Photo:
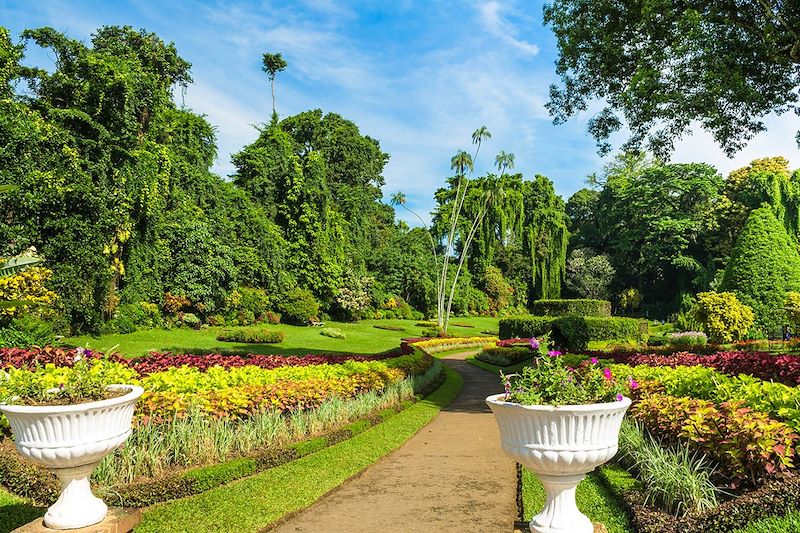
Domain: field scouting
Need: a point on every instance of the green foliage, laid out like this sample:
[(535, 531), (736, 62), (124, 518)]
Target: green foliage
[(504, 356), (673, 478), (748, 445), (575, 332), (27, 330), (334, 333), (639, 61), (550, 382), (298, 306), (763, 267), (723, 317), (253, 336), (589, 275), (598, 308)]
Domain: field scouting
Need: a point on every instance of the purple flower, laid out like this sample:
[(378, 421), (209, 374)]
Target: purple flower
[(633, 383), (619, 397), (553, 353), (607, 373), (594, 360), (534, 343)]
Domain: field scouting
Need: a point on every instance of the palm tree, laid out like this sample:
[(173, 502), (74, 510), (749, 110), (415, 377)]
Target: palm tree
[(478, 136), (273, 63), (503, 161), (461, 162)]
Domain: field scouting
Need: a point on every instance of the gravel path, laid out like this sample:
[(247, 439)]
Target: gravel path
[(451, 476)]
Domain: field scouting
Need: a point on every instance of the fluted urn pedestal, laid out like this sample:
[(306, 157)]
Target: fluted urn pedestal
[(70, 440), (560, 444)]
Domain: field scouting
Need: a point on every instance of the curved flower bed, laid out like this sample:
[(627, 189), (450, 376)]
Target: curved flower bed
[(220, 385), (781, 368)]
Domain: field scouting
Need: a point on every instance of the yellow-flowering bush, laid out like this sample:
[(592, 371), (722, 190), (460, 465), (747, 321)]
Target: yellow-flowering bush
[(28, 285), (723, 317)]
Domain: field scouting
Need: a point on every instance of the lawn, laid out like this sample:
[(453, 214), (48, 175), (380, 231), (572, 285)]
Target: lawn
[(361, 338)]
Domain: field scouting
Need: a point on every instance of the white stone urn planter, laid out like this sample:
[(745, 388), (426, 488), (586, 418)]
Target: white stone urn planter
[(70, 440), (560, 444)]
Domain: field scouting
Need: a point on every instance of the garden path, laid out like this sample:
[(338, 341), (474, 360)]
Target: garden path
[(451, 476)]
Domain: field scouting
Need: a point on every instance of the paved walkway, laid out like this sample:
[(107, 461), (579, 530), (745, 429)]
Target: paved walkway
[(451, 476)]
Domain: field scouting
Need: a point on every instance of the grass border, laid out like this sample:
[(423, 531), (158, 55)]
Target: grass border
[(266, 499)]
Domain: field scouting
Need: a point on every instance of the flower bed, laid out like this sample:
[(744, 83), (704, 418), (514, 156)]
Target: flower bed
[(449, 343), (781, 368)]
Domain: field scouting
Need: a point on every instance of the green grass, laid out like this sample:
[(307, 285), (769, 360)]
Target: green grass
[(15, 511), (362, 338), (778, 524), (594, 498), (255, 502)]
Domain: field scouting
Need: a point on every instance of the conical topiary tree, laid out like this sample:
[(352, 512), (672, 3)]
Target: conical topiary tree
[(763, 267)]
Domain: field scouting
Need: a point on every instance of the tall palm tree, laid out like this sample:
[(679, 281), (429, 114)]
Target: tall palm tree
[(478, 136), (461, 162), (503, 161), (272, 64)]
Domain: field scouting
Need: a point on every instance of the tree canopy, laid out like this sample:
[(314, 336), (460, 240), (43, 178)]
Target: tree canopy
[(660, 66)]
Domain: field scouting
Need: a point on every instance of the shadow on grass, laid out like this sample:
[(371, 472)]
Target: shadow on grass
[(245, 349), (15, 515)]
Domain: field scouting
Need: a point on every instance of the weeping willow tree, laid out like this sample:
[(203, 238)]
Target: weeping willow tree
[(545, 237), (525, 217)]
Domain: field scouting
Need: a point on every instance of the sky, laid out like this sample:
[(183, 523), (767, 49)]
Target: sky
[(418, 75)]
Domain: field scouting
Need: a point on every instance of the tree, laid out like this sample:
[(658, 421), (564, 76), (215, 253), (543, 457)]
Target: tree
[(584, 225), (272, 64), (763, 268), (654, 223), (660, 67), (589, 275), (503, 161)]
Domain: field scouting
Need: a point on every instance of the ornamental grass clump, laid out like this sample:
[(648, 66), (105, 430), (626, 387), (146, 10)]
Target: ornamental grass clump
[(673, 477), (548, 381)]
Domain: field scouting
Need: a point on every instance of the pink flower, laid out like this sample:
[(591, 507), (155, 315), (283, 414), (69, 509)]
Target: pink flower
[(619, 397), (553, 353), (607, 373), (594, 360), (534, 343), (633, 383)]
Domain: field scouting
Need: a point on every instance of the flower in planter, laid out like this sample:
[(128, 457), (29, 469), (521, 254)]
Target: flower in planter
[(549, 382)]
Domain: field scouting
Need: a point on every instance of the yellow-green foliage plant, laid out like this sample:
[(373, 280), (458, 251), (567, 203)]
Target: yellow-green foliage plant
[(723, 317)]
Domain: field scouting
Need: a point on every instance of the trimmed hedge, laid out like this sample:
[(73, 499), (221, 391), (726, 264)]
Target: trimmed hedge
[(579, 307), (574, 332)]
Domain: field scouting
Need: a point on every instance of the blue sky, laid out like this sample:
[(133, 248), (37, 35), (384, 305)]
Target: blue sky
[(419, 76)]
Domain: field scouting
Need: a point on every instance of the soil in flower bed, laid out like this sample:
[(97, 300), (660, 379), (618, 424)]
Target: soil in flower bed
[(107, 395)]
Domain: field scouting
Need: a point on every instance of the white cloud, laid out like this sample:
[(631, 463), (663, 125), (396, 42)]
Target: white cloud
[(779, 139), (492, 18)]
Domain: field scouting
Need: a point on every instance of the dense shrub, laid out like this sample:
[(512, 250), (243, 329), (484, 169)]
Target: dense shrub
[(26, 330), (247, 305), (251, 336), (580, 307), (190, 320), (575, 332), (174, 303), (763, 267), (722, 316), (298, 306), (30, 286)]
